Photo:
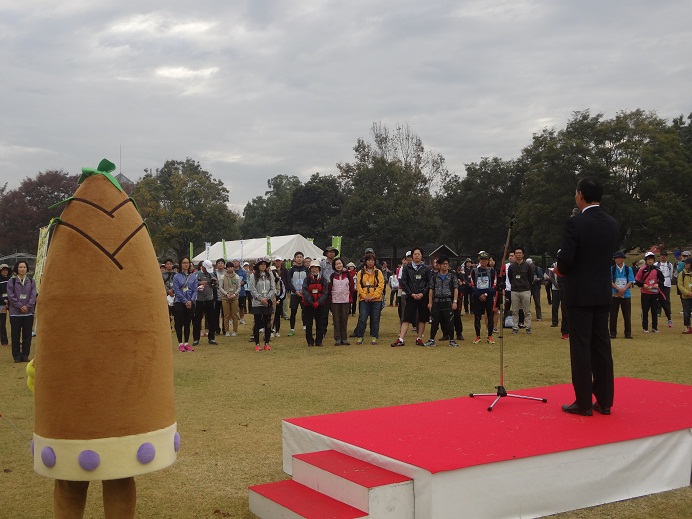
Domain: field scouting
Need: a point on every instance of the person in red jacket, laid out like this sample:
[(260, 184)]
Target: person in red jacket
[(315, 298), (650, 279)]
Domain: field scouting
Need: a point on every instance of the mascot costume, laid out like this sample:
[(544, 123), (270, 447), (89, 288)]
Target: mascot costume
[(103, 366)]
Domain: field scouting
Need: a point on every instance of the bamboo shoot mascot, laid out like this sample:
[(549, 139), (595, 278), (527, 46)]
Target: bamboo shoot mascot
[(103, 367)]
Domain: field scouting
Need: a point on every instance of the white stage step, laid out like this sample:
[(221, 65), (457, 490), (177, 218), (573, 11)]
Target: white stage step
[(329, 484)]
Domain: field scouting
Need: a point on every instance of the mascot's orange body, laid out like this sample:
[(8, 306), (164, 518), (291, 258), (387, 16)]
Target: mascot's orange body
[(104, 374)]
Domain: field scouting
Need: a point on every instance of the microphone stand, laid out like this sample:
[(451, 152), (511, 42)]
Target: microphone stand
[(501, 391)]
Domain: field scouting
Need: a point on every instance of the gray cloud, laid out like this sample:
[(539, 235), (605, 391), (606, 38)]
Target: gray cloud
[(253, 89)]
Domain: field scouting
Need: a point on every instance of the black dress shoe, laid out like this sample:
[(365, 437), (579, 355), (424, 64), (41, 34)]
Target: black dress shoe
[(575, 409), (603, 410)]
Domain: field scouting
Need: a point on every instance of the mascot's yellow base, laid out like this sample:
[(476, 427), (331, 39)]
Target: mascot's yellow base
[(118, 457)]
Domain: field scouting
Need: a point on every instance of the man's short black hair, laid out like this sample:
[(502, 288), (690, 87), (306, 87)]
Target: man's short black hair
[(591, 189), (296, 254), (519, 247), (167, 260), (442, 259)]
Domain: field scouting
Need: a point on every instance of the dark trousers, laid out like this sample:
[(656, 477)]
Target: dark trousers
[(443, 317), (650, 303), (295, 303), (686, 310), (3, 328), (354, 303), (624, 303), (278, 313), (262, 321), (340, 313), (182, 317), (393, 297), (456, 322), (314, 315), (483, 308), (665, 305), (549, 292), (218, 311), (536, 294), (21, 326), (591, 355), (564, 329), (206, 309)]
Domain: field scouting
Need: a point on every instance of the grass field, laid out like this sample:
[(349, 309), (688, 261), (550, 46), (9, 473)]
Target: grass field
[(230, 401)]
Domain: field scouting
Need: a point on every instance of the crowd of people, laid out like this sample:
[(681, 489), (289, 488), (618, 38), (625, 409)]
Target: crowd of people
[(432, 293)]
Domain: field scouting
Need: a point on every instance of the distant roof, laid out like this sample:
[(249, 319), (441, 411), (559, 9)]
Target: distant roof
[(122, 179)]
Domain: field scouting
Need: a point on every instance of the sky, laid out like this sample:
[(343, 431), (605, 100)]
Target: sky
[(253, 89)]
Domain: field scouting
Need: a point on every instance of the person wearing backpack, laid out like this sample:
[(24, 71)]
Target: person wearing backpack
[(685, 287), (443, 299), (667, 269), (369, 284), (622, 279), (650, 279)]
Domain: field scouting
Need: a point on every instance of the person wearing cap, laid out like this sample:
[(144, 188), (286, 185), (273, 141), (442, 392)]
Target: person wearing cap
[(685, 288), (315, 291), (262, 290), (622, 279), (588, 242), (4, 278), (650, 279), (296, 276), (206, 283), (369, 283), (667, 269), (341, 288)]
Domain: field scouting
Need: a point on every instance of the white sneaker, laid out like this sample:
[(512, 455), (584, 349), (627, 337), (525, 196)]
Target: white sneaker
[(303, 327), (242, 321), (228, 334), (277, 334), (234, 334)]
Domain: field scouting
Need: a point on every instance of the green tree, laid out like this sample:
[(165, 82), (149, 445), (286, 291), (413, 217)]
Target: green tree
[(271, 214), (477, 209), (316, 207), (23, 211), (388, 205), (182, 203)]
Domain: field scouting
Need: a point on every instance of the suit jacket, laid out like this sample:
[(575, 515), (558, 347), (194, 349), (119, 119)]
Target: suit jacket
[(588, 243)]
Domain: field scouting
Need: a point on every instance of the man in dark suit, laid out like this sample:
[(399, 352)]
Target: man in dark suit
[(588, 243)]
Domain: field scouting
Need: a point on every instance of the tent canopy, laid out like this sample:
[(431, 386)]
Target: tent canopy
[(246, 250)]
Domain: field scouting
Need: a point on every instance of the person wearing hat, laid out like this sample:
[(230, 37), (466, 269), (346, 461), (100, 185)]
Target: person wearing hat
[(622, 279), (650, 279), (326, 264), (206, 284), (667, 269), (262, 287), (315, 299), (685, 288), (4, 278)]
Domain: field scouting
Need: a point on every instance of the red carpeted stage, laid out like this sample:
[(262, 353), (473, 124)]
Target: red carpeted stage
[(523, 459)]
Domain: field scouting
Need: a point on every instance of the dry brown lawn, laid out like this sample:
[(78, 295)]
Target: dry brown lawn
[(230, 401)]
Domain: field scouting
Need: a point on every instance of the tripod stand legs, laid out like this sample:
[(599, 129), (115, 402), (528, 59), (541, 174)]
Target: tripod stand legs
[(502, 392)]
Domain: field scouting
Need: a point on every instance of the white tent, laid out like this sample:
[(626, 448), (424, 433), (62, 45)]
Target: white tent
[(283, 246)]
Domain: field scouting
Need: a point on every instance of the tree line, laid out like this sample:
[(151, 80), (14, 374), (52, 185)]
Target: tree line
[(396, 193)]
